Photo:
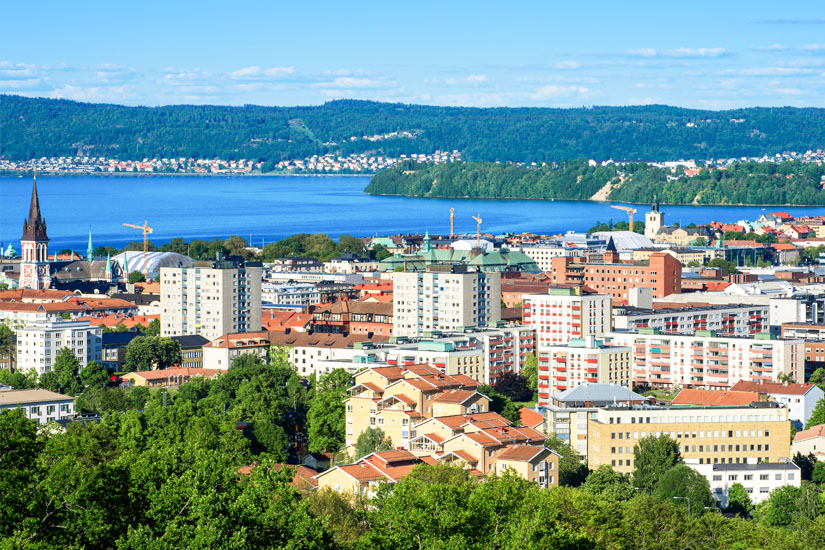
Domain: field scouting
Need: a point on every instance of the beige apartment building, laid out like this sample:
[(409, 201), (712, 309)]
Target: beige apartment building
[(219, 298), (444, 298), (758, 432)]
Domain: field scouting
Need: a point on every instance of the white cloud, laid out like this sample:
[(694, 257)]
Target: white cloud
[(349, 82), (93, 93), (20, 84), (257, 73), (567, 65), (552, 91), (773, 71), (679, 52), (771, 48), (813, 48), (477, 78)]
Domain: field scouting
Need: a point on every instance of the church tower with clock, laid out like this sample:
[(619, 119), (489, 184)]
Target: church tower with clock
[(34, 267)]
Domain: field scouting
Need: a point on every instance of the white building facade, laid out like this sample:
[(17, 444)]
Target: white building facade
[(38, 343)]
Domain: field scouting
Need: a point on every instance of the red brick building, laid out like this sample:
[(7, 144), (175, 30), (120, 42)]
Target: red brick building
[(662, 273), (353, 317)]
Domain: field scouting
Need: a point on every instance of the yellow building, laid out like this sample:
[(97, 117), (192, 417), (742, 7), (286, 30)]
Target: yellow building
[(394, 398), (713, 435), (168, 377), (534, 463), (363, 477), (682, 255)]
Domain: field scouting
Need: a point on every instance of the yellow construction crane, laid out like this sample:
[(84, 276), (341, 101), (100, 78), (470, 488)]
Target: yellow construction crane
[(630, 212), (452, 222), (146, 230), (478, 229)]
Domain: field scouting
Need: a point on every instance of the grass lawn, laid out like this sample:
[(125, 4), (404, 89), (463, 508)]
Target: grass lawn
[(528, 404)]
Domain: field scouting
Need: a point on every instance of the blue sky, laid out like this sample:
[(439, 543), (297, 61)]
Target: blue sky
[(715, 55)]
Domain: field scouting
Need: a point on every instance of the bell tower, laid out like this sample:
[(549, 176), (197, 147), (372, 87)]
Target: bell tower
[(34, 265), (653, 220)]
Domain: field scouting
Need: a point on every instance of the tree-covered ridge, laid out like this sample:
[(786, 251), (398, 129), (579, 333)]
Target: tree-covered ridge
[(789, 182), (36, 127)]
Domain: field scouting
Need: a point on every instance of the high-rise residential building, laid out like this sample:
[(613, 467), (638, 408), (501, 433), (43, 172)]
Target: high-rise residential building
[(219, 298), (706, 360), (38, 343), (34, 266), (565, 313), (444, 298), (581, 361)]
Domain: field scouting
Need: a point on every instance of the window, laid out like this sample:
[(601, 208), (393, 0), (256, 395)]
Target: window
[(717, 477), (763, 477)]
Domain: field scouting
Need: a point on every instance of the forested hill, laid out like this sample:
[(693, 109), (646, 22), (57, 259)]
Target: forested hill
[(791, 183), (32, 128)]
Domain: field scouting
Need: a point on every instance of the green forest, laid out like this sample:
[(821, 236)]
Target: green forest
[(162, 471), (787, 183), (37, 127)]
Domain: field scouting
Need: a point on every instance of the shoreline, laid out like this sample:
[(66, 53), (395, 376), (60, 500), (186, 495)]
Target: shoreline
[(724, 205), (185, 174)]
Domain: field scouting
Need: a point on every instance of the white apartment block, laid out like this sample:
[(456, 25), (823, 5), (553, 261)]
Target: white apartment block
[(565, 313), (38, 343), (581, 361), (444, 298), (758, 479), (295, 294), (38, 404), (725, 320), (544, 254), (707, 361), (211, 301)]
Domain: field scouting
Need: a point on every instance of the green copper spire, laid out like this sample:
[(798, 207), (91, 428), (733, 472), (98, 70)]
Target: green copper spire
[(90, 251), (125, 265), (108, 271)]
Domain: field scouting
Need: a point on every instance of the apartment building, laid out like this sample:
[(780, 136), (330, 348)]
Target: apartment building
[(38, 343), (290, 294), (212, 300), (38, 404), (581, 361), (564, 313), (707, 361), (444, 298), (395, 399), (714, 435), (759, 480), (220, 352), (662, 273), (725, 320), (354, 317), (543, 254)]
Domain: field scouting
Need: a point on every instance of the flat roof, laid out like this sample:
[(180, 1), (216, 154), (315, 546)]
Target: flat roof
[(19, 397), (760, 466)]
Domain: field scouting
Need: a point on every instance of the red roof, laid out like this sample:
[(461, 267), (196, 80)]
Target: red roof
[(714, 398), (530, 418), (816, 431), (773, 387), (784, 246)]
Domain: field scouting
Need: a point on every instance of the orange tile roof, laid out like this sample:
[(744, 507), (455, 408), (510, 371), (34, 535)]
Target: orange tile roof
[(816, 431), (454, 396), (119, 319), (521, 453), (29, 294), (772, 387), (714, 398), (530, 418), (361, 471)]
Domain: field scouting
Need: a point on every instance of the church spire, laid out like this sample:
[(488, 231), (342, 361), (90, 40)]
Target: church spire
[(34, 228), (90, 251)]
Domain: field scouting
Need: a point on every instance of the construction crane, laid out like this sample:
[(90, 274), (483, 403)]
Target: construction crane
[(478, 229), (146, 230), (452, 222), (630, 212)]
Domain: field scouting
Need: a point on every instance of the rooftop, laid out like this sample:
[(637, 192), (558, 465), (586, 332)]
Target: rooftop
[(19, 397)]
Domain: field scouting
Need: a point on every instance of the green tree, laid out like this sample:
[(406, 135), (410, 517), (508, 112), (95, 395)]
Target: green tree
[(609, 484), (19, 380), (730, 267), (686, 486), (326, 416), (501, 404), (379, 252), (7, 344), (818, 378), (372, 440), (151, 353), (513, 386), (739, 502), (781, 508), (153, 328), (66, 368), (817, 415), (19, 472), (530, 371), (572, 466), (136, 277), (806, 465), (93, 376), (652, 458)]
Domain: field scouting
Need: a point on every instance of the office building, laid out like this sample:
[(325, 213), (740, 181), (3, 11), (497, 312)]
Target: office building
[(38, 404)]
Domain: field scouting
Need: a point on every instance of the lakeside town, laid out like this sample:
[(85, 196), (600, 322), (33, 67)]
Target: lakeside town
[(471, 350)]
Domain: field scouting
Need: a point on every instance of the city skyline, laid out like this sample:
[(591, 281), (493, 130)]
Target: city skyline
[(703, 55)]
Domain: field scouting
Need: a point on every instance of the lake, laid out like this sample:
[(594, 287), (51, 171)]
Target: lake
[(272, 207)]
